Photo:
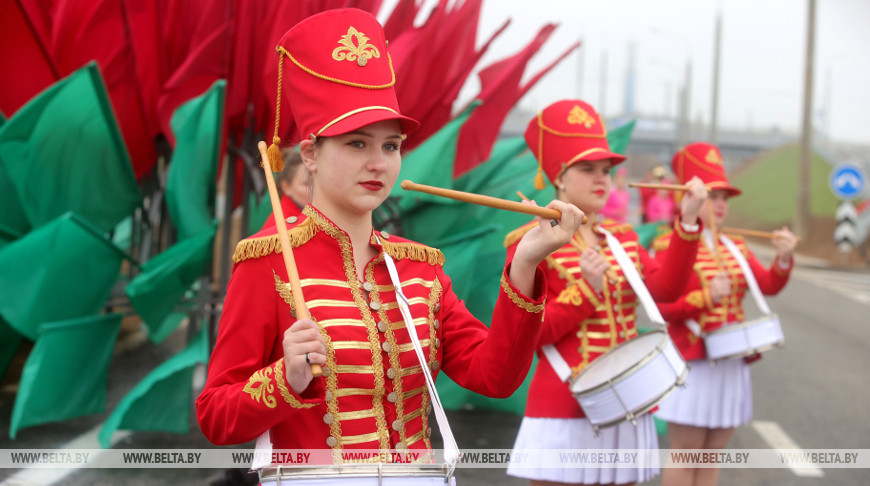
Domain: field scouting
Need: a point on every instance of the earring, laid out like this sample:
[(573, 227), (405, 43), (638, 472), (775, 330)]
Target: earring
[(561, 187)]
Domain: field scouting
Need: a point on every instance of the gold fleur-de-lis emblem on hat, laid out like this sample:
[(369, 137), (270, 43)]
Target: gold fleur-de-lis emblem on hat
[(579, 116), (713, 157), (360, 51)]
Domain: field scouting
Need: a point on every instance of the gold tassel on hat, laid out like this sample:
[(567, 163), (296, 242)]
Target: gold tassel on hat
[(274, 151), (540, 184), (539, 180)]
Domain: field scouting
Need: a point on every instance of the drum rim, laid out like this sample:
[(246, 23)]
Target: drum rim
[(750, 352), (738, 325), (355, 470), (621, 376), (681, 380)]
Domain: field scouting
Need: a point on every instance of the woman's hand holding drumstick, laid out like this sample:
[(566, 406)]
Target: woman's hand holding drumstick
[(594, 267), (540, 242), (693, 200), (304, 348)]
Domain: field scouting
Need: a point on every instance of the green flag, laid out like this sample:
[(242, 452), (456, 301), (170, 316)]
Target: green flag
[(161, 401), (431, 163), (63, 151), (13, 222), (62, 270), (648, 232), (165, 278), (66, 373), (190, 185), (10, 339), (619, 137), (258, 211)]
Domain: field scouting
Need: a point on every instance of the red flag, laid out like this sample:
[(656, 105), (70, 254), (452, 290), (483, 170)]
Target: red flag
[(439, 113), (27, 69), (500, 90), (204, 65), (249, 51), (84, 31), (141, 24), (413, 60), (401, 19)]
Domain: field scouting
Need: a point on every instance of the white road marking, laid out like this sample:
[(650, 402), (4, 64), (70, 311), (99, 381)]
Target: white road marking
[(46, 477), (88, 440), (852, 285), (776, 438)]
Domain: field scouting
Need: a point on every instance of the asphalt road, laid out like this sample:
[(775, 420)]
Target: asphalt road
[(815, 390)]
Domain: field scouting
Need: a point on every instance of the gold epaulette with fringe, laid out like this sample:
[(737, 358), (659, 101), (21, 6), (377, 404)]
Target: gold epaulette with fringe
[(517, 234), (614, 227), (266, 245), (661, 243), (408, 250)]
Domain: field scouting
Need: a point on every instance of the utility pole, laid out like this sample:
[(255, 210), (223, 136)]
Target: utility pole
[(802, 209), (686, 108), (603, 91), (581, 58), (630, 80), (717, 59)]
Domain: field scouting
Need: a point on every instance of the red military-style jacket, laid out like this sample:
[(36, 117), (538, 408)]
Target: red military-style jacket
[(583, 324), (697, 304), (372, 394)]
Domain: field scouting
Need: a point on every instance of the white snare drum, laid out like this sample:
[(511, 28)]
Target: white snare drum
[(630, 379), (376, 474), (744, 339)]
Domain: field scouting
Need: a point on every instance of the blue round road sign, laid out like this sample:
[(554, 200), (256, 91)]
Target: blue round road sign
[(847, 181)]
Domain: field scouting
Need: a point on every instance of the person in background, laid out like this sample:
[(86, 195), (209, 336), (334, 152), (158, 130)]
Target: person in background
[(716, 399), (654, 176), (588, 314), (660, 206), (616, 207), (294, 187)]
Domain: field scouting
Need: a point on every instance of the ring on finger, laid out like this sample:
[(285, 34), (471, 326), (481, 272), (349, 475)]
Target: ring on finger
[(306, 359), (554, 223)]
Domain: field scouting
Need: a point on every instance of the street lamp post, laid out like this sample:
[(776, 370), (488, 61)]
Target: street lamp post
[(802, 209)]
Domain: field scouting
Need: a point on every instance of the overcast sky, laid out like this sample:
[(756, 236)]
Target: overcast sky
[(762, 66)]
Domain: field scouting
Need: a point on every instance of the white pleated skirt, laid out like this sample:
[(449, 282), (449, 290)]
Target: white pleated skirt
[(714, 397), (569, 434)]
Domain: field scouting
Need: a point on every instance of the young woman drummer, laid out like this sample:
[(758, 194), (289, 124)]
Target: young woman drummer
[(715, 400), (372, 393), (590, 307)]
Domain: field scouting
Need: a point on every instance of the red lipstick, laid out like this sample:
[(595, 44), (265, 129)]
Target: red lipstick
[(372, 185)]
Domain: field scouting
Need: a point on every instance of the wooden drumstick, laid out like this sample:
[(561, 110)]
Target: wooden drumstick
[(712, 217), (286, 248), (489, 201), (749, 232), (667, 187)]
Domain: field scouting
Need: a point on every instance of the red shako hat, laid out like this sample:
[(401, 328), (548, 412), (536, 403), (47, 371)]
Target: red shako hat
[(336, 71), (564, 133), (705, 161)]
